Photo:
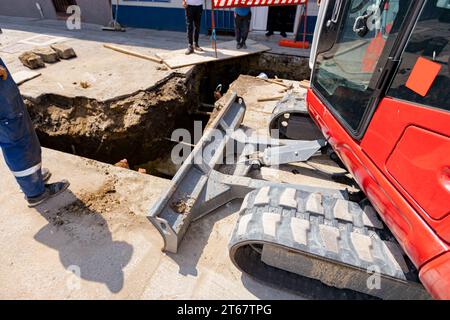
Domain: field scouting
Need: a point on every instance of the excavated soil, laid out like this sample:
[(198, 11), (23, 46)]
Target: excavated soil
[(130, 128)]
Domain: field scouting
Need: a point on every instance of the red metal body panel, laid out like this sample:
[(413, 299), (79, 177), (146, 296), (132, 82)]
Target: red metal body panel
[(435, 277), (388, 125), (415, 235), (420, 163)]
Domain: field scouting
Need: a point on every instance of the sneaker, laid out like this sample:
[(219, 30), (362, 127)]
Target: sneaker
[(269, 33), (243, 45), (189, 50), (46, 174), (198, 48), (283, 34), (51, 190), (238, 46)]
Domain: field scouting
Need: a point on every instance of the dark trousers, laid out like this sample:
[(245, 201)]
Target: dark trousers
[(193, 19), (277, 18), (241, 27)]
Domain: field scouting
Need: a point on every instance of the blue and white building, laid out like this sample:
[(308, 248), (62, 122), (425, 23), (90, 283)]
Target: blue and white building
[(153, 14), (170, 15)]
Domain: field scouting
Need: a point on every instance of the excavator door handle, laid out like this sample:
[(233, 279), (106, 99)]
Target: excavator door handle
[(336, 11)]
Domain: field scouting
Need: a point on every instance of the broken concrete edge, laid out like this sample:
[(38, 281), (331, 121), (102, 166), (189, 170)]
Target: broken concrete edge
[(164, 80), (24, 76), (109, 168)]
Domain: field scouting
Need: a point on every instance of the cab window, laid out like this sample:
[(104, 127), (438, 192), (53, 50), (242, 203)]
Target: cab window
[(428, 45), (351, 55)]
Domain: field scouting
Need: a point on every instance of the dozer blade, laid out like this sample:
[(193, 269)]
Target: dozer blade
[(197, 189), (174, 211)]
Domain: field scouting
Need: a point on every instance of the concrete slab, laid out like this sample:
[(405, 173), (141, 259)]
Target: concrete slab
[(95, 242), (110, 74), (225, 50)]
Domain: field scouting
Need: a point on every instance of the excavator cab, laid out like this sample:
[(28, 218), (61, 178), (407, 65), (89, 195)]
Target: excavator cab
[(380, 94), (379, 105)]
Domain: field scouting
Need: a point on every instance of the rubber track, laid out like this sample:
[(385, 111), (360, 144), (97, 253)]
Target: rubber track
[(331, 240)]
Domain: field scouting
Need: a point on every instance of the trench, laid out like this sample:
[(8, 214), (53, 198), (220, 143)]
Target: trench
[(139, 127)]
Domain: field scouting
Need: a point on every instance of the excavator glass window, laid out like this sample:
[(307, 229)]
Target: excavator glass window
[(352, 51), (424, 73)]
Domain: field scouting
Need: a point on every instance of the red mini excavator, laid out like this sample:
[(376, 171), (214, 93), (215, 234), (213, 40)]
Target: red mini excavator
[(380, 98)]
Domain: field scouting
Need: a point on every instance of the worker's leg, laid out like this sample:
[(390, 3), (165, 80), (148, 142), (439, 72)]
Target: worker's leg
[(22, 154), (197, 23), (271, 20), (190, 24), (20, 144), (237, 29), (246, 28), (284, 17)]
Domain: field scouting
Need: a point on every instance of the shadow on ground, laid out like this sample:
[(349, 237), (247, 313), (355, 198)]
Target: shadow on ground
[(84, 242)]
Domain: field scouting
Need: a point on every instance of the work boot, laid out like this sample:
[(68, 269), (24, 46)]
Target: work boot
[(238, 46), (283, 34), (46, 174), (51, 190), (189, 50), (243, 45), (269, 33), (198, 48)]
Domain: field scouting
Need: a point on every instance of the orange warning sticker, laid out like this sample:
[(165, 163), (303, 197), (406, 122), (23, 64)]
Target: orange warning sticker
[(423, 75)]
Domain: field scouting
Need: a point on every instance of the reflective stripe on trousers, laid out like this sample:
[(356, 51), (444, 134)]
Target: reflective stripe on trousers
[(18, 140)]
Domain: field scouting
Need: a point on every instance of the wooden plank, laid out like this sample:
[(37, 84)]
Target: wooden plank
[(279, 82), (133, 53), (305, 84), (225, 50), (264, 99)]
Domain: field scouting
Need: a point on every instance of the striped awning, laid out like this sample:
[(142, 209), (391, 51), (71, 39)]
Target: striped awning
[(255, 3)]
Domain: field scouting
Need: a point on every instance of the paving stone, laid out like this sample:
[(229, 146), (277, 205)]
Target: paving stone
[(31, 60), (63, 50), (47, 54)]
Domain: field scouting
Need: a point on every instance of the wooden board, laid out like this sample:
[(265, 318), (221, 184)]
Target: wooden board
[(133, 53), (225, 50)]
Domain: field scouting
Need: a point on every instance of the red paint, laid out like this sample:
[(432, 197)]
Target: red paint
[(435, 276), (390, 121), (423, 75), (293, 43), (366, 160), (419, 163)]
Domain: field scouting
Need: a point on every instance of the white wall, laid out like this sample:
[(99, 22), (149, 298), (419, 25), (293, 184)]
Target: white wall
[(27, 8), (92, 11)]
